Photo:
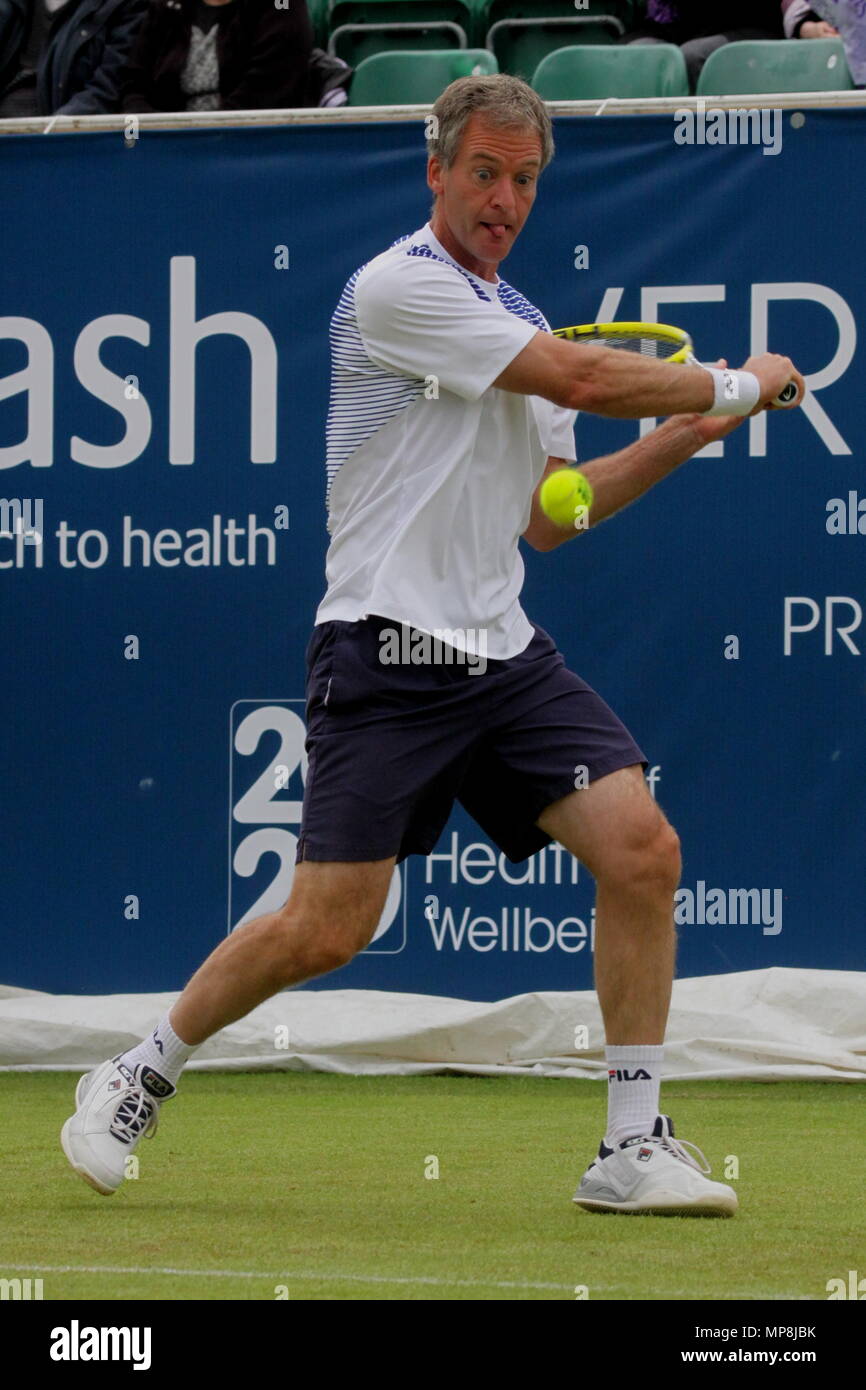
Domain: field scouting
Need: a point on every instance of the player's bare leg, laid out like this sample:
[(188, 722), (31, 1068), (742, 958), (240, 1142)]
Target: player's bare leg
[(615, 828), (331, 914)]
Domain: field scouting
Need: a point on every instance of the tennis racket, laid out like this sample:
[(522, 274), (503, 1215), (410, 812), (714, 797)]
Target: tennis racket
[(658, 340)]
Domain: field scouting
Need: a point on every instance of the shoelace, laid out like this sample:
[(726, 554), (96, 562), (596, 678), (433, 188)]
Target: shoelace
[(679, 1148), (136, 1117)]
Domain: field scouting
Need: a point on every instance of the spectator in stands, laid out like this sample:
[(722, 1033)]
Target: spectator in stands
[(330, 79), (65, 56), (219, 55), (801, 22), (699, 27)]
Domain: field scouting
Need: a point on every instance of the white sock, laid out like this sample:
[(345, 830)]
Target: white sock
[(634, 1075), (163, 1050)]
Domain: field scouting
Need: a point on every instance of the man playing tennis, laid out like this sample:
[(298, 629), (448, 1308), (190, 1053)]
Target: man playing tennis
[(429, 493)]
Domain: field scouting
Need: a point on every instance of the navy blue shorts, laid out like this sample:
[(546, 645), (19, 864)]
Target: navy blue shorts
[(391, 747)]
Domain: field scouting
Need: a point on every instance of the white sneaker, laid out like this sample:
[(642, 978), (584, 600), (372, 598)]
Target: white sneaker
[(115, 1107), (654, 1174)]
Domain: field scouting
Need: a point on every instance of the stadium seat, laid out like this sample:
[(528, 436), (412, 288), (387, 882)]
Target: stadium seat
[(776, 65), (398, 79), (522, 32), (359, 28), (318, 12), (586, 72)]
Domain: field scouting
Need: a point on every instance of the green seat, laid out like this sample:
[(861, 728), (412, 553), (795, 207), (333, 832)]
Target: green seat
[(490, 11), (588, 73), (408, 79), (359, 28), (318, 12), (522, 32), (776, 65), (355, 42)]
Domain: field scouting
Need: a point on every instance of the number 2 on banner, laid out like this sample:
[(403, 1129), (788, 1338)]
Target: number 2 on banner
[(257, 805)]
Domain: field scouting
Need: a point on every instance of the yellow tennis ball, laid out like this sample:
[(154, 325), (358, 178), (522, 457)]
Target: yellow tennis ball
[(566, 497)]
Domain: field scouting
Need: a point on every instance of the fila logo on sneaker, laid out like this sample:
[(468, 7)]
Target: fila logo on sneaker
[(644, 1155), (153, 1082), (615, 1074), (114, 1085)]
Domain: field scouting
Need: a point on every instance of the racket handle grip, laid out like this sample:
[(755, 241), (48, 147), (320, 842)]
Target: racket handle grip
[(787, 394)]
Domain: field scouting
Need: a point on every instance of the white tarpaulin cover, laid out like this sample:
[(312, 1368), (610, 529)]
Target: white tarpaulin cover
[(778, 1024)]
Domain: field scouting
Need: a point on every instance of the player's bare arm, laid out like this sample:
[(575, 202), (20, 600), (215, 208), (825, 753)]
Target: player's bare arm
[(580, 376), (621, 478)]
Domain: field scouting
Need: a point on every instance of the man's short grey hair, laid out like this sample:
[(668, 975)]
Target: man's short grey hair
[(505, 102)]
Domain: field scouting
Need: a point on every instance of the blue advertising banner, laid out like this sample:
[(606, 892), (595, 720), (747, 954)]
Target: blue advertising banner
[(164, 375)]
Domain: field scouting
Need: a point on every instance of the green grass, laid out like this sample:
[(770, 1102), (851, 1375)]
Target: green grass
[(317, 1182)]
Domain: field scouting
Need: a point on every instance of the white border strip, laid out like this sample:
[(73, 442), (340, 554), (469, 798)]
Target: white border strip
[(359, 115), (308, 1277)]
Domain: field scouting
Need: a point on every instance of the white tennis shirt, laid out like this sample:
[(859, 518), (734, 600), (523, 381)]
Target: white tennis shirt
[(431, 469)]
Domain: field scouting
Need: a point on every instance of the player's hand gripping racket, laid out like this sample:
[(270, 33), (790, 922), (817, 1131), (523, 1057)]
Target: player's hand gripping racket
[(657, 340)]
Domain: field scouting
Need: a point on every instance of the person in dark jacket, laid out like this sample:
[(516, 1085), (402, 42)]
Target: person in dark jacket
[(65, 56), (211, 55), (699, 27)]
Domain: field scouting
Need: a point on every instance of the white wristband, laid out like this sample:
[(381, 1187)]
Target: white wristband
[(736, 393)]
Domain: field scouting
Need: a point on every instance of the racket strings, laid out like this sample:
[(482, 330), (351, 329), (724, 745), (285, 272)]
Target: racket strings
[(647, 345)]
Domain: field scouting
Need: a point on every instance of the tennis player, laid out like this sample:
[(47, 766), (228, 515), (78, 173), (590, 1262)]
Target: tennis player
[(450, 402)]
